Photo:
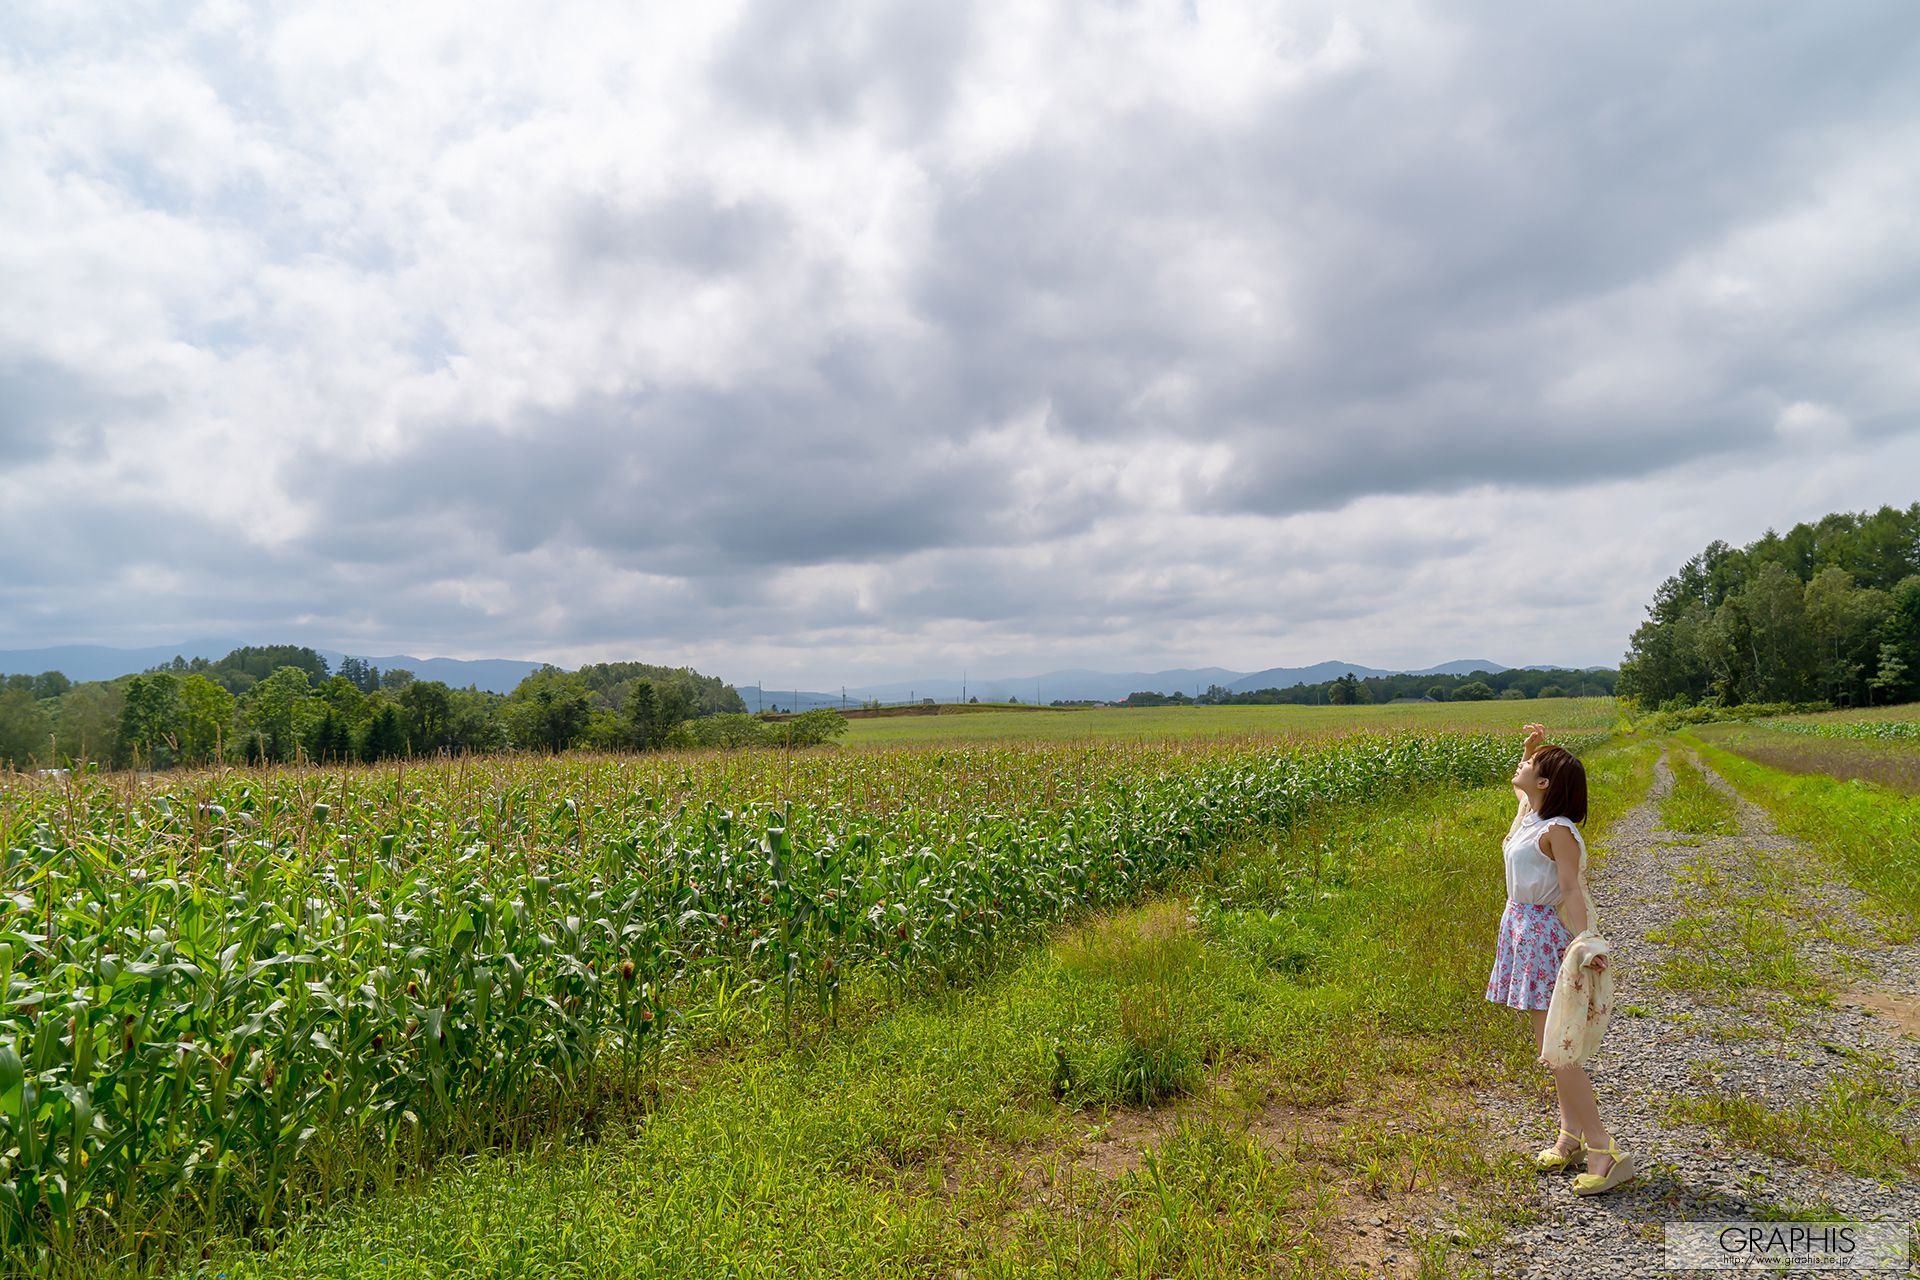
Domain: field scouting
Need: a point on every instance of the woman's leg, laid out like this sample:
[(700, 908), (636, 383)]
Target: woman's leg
[(1579, 1109)]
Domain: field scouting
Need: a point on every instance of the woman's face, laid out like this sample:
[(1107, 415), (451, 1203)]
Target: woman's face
[(1527, 778)]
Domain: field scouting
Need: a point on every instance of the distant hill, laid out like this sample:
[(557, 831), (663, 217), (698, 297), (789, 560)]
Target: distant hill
[(496, 675), (100, 662), (1080, 685), (1287, 677), (500, 675)]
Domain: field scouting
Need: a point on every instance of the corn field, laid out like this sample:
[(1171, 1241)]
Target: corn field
[(1848, 730), (228, 996)]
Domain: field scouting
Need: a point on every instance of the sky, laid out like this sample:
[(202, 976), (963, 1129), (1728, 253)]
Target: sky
[(834, 343)]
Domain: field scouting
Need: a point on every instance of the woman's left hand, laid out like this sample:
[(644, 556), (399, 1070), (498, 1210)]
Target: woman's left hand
[(1598, 963)]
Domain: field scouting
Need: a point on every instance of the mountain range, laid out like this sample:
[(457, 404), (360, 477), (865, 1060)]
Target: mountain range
[(1100, 686), (100, 662)]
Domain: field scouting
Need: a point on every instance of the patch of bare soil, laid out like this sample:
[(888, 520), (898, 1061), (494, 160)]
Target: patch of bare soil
[(1902, 1011), (1369, 1223)]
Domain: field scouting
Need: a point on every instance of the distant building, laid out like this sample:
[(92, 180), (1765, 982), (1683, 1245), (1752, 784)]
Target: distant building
[(1401, 702)]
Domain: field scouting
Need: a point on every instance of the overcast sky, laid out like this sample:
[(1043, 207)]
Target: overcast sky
[(829, 343)]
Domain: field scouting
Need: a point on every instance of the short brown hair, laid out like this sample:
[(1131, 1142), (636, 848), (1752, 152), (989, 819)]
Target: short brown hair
[(1566, 784)]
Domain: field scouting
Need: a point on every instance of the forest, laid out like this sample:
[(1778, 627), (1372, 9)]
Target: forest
[(277, 703), (1827, 612), (1350, 690)]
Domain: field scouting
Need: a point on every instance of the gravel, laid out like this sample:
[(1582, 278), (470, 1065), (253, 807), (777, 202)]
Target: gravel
[(1687, 1171)]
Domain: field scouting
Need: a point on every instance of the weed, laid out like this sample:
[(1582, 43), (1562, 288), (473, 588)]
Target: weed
[(1861, 1122)]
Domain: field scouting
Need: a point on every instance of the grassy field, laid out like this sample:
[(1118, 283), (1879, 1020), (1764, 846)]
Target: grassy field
[(1870, 830), (1578, 715), (232, 999), (1879, 745), (1233, 1078)]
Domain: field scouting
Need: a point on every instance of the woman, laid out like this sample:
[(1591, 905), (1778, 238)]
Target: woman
[(1547, 905)]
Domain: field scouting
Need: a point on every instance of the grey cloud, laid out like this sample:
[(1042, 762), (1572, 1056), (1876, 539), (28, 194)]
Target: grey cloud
[(683, 483), (47, 408), (808, 68), (1438, 238), (688, 231), (1418, 255)]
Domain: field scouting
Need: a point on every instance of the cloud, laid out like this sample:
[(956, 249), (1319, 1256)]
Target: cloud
[(826, 346)]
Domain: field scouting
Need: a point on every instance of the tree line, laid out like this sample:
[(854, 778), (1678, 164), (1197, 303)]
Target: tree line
[(1828, 612), (278, 703), (1350, 690)]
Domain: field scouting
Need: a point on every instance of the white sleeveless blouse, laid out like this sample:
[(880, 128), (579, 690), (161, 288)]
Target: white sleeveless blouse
[(1531, 874)]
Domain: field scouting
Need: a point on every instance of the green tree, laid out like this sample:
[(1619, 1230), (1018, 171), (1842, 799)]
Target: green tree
[(206, 718), (87, 723), (26, 730), (732, 730), (247, 666), (149, 713), (644, 728), (810, 728), (1843, 624), (429, 708), (1728, 626), (363, 675), (1899, 639), (548, 710), (1768, 635), (1474, 691), (330, 739), (385, 736), (276, 712), (474, 721), (1892, 677)]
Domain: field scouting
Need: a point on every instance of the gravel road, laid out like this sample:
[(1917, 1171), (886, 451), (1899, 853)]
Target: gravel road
[(1683, 1042)]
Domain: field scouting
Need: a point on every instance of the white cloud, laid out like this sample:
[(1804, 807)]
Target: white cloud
[(824, 346)]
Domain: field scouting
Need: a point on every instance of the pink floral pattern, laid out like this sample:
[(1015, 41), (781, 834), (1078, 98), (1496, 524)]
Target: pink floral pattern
[(1532, 942)]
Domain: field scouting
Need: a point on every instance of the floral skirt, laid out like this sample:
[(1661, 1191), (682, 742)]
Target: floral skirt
[(1532, 942)]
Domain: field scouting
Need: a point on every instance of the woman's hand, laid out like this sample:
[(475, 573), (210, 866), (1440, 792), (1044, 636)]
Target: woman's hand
[(1536, 738), (1598, 963)]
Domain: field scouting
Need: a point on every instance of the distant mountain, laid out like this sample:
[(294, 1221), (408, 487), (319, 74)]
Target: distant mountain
[(1287, 677), (1079, 685), (100, 662), (496, 675), (500, 675)]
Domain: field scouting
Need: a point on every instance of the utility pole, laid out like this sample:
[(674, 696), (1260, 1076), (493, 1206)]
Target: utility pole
[(759, 698), (963, 686)]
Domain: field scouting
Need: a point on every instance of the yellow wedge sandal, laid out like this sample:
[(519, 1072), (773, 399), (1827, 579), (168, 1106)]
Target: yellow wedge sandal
[(1553, 1160), (1620, 1171)]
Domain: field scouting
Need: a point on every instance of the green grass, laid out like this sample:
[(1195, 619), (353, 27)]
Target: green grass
[(228, 999), (1739, 930), (1870, 832), (1695, 806), (1741, 920), (1563, 715), (941, 1133), (1862, 1123)]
